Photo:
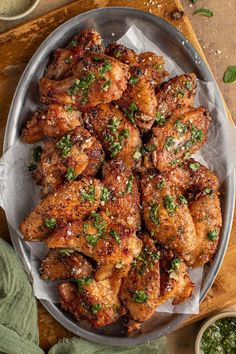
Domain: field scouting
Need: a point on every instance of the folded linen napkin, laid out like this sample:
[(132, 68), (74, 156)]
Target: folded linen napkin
[(18, 318)]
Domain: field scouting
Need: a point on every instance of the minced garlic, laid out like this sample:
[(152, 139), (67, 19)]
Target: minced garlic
[(13, 7)]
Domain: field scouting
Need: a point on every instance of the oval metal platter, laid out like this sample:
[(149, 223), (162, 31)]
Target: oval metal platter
[(112, 23)]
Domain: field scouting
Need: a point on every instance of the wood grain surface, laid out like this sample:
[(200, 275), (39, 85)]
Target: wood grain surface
[(18, 45)]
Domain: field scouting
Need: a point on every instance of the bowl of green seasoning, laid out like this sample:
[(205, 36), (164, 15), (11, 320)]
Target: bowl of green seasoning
[(217, 335)]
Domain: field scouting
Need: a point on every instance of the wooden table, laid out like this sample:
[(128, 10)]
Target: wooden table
[(223, 292)]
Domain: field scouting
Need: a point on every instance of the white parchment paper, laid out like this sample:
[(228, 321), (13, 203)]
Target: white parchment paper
[(19, 194)]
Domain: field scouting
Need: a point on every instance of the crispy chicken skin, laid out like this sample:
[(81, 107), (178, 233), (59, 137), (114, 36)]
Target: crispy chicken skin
[(96, 79), (122, 53), (97, 302), (55, 121), (65, 264), (175, 281), (139, 100), (183, 134), (119, 137), (65, 58), (206, 214), (152, 67), (167, 217), (73, 201), (175, 93), (78, 154), (111, 244), (123, 203), (140, 290)]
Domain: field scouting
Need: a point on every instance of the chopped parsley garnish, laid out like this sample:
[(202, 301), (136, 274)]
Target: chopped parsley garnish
[(169, 204), (66, 251), (133, 80), (160, 119), (189, 86), (50, 223), (208, 191), (83, 281), (100, 225), (98, 59), (65, 145), (212, 235), (131, 110), (179, 93), (175, 264), (105, 194), (158, 66), (124, 133), (69, 108), (88, 195), (73, 43), (129, 184), (161, 184), (180, 127), (107, 66), (118, 54), (196, 134), (82, 84), (146, 258), (116, 236), (70, 174), (67, 61), (154, 214), (95, 308), (37, 153), (182, 199), (170, 141), (194, 166), (116, 143), (114, 124), (106, 85), (140, 296)]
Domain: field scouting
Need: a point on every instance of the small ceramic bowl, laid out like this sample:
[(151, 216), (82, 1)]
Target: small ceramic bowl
[(31, 7), (208, 323)]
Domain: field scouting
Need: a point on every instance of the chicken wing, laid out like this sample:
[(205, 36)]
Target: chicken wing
[(65, 58), (119, 137), (65, 264), (55, 121), (139, 100), (96, 302), (140, 290), (78, 154), (111, 244), (167, 216), (175, 93), (152, 67), (96, 79), (183, 134), (123, 202), (175, 280), (73, 201), (122, 53), (206, 214)]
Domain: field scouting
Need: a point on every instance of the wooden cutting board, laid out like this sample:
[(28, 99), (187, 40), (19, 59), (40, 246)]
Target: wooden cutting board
[(17, 47)]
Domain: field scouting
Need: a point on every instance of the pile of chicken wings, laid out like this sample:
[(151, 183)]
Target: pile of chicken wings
[(125, 209)]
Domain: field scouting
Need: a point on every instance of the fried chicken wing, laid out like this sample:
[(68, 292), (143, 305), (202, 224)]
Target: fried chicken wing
[(167, 216), (119, 137), (139, 100), (96, 79), (140, 290), (96, 302), (123, 201), (78, 154), (175, 280), (73, 201), (152, 67), (111, 244), (175, 93), (183, 134), (65, 58), (122, 53), (55, 121), (65, 264), (206, 214)]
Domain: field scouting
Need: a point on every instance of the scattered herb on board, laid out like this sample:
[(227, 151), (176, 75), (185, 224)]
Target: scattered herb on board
[(203, 12), (140, 296), (230, 74)]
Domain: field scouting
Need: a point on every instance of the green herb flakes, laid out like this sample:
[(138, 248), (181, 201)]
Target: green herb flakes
[(116, 236), (213, 235), (160, 119), (107, 66), (169, 204), (180, 127), (161, 184), (66, 252), (70, 174), (65, 145), (140, 296), (105, 194), (203, 12), (67, 61), (189, 85), (114, 124), (170, 141), (95, 308), (194, 166), (83, 281), (88, 195), (130, 112), (50, 223), (106, 85), (154, 214), (129, 184), (182, 199), (137, 155), (133, 80)]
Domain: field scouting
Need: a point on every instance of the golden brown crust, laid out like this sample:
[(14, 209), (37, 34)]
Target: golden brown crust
[(152, 67), (122, 53)]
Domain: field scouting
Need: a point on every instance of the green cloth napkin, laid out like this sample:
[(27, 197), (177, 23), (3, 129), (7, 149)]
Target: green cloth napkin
[(18, 318)]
